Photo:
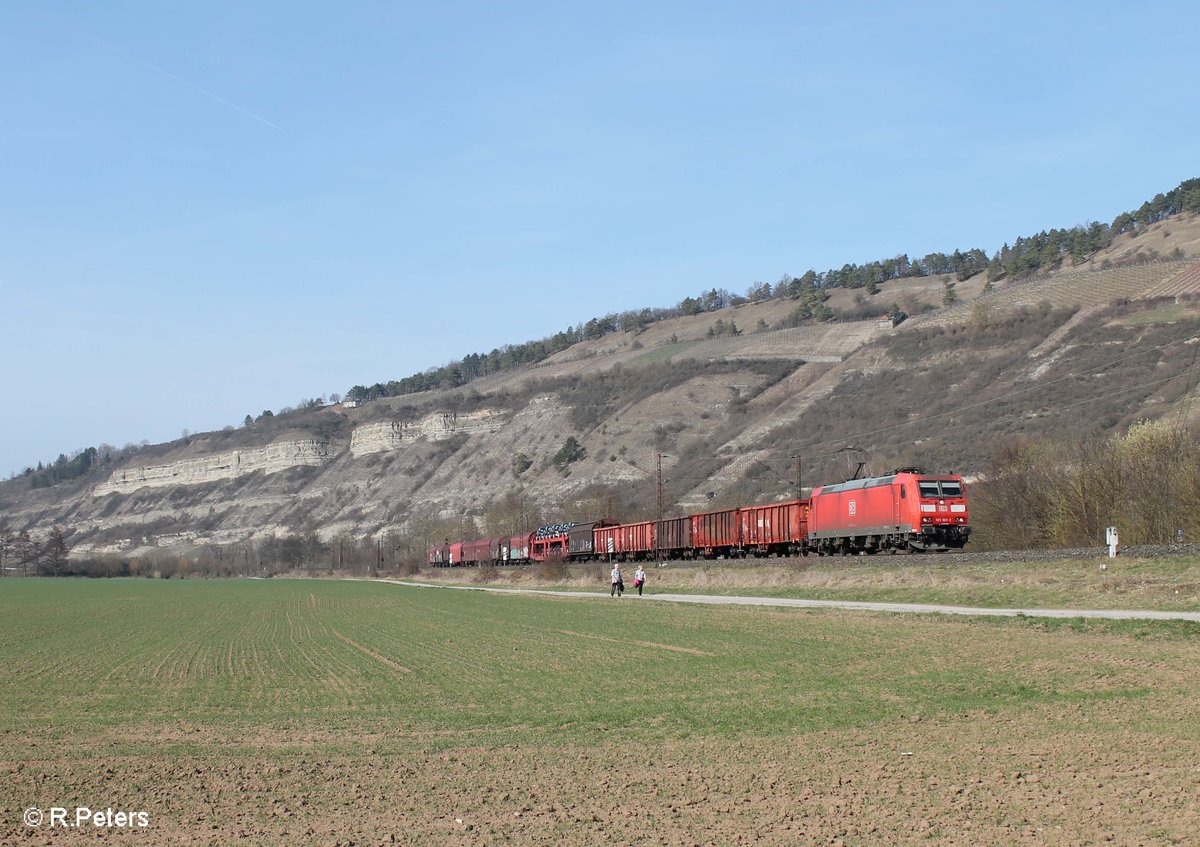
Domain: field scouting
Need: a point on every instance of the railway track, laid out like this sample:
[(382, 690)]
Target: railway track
[(1132, 551)]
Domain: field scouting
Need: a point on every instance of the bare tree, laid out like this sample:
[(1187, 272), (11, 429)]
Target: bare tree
[(268, 553), (55, 552), (6, 549), (291, 551), (28, 551), (515, 512)]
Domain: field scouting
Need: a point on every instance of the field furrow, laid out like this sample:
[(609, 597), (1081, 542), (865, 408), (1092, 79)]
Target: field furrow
[(312, 712)]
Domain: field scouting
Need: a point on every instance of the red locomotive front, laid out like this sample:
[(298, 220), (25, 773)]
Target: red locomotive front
[(940, 510), (906, 510)]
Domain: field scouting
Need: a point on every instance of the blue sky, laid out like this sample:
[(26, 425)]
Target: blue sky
[(208, 209)]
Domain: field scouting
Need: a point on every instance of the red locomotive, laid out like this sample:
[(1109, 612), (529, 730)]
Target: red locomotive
[(907, 510)]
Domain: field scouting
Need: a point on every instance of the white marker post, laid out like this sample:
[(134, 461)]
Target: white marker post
[(1110, 538)]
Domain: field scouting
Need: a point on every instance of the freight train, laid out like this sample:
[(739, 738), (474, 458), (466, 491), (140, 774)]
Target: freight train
[(907, 510)]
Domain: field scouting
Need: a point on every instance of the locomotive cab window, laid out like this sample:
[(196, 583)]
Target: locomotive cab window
[(951, 489), (928, 489), (903, 493)]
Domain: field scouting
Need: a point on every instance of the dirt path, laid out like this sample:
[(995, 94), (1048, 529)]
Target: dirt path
[(853, 605)]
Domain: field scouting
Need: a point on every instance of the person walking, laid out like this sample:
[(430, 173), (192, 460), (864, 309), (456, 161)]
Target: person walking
[(618, 587), (639, 579)]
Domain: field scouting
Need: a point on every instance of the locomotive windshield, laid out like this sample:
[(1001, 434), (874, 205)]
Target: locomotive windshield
[(945, 488)]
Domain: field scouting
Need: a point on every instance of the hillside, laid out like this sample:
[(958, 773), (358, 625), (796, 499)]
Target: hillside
[(1088, 349)]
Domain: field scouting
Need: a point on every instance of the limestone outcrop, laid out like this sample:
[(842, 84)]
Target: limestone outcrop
[(272, 458), (393, 435)]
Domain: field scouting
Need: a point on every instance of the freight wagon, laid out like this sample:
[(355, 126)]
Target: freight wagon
[(779, 528), (572, 540), (484, 551), (716, 534), (581, 540), (514, 549), (626, 541), (674, 537)]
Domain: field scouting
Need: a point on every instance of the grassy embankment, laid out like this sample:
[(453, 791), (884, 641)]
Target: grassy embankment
[(1160, 584)]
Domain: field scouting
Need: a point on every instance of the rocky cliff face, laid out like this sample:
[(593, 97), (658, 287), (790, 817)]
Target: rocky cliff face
[(393, 435), (378, 437), (349, 484), (269, 459)]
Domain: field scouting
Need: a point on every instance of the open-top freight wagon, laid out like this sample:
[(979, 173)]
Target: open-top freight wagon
[(626, 541), (717, 534), (779, 529)]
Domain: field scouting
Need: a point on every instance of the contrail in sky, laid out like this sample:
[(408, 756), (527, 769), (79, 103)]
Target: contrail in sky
[(180, 80)]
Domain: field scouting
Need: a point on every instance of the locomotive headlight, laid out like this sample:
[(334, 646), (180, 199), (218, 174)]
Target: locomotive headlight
[(926, 520), (960, 520)]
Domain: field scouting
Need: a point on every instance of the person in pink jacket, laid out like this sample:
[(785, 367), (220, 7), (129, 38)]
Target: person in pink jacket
[(639, 580)]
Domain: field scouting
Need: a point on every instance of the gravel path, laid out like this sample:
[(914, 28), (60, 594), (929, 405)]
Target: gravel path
[(853, 605)]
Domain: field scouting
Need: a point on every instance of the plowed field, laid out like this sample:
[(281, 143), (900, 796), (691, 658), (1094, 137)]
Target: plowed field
[(307, 712)]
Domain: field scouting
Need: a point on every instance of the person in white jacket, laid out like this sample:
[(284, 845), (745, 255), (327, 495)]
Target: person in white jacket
[(618, 587), (639, 580)]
